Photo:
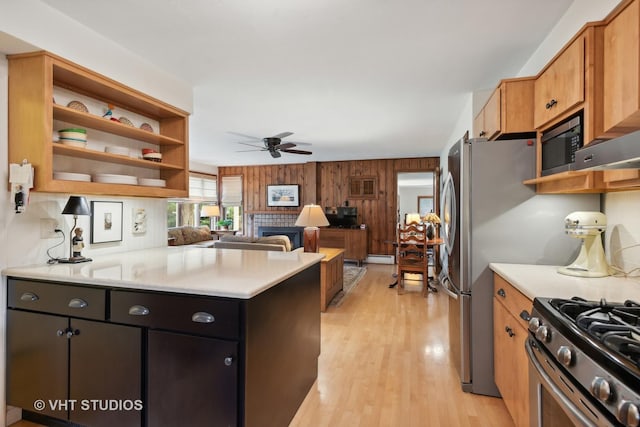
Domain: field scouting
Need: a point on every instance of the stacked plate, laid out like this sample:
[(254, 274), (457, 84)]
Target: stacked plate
[(69, 176), (108, 178), (75, 137), (123, 151), (150, 182)]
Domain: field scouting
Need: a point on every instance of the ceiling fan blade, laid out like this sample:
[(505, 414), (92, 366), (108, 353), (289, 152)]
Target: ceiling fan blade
[(299, 143), (297, 151), (275, 153), (245, 136), (282, 135), (249, 144), (285, 146)]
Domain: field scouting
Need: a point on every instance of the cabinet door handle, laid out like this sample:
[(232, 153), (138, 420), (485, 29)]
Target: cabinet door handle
[(77, 303), (551, 104), (203, 317), (482, 133), (138, 310), (228, 361), (509, 331), (29, 296), (524, 315), (502, 293)]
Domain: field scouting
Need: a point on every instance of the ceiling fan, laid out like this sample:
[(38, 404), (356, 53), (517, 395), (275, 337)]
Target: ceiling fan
[(273, 144)]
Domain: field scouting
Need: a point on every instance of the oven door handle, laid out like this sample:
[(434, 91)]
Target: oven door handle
[(570, 409)]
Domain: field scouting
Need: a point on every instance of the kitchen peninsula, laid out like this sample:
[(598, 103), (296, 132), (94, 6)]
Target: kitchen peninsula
[(165, 336)]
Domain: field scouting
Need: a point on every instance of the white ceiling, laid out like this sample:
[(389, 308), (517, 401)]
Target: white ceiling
[(357, 79)]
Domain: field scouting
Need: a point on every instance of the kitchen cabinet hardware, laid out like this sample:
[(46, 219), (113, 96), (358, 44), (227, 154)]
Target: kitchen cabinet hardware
[(482, 133), (139, 310), (524, 315), (202, 317), (511, 365), (29, 296), (77, 303), (551, 104), (228, 361)]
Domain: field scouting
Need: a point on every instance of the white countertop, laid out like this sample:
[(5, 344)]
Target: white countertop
[(545, 281), (231, 273)]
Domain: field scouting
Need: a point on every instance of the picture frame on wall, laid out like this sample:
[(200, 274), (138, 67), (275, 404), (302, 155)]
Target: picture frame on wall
[(283, 195), (106, 222), (425, 205)]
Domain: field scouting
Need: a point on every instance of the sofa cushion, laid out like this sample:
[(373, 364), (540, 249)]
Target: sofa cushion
[(276, 240), (232, 238), (196, 234), (175, 236)]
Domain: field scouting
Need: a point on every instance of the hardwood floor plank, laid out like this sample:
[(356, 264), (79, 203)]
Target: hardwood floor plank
[(385, 362)]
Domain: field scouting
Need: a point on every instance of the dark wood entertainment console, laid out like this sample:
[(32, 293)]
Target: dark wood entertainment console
[(354, 241)]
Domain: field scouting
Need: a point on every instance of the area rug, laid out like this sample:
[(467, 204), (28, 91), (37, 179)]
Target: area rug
[(351, 277)]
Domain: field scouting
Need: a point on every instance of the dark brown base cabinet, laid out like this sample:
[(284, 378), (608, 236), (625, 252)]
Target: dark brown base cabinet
[(100, 361), (190, 360)]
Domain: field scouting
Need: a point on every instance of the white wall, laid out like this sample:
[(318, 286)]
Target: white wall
[(624, 227), (37, 24)]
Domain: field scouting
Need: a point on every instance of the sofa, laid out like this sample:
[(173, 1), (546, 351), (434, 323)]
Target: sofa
[(190, 235), (266, 243)]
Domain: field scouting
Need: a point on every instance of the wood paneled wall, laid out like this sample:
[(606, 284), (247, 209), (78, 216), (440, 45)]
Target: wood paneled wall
[(327, 184)]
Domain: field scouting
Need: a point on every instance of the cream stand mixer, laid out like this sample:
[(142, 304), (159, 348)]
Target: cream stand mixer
[(590, 261)]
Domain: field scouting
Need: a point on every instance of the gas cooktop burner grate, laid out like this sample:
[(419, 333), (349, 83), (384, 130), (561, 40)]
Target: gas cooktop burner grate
[(617, 326)]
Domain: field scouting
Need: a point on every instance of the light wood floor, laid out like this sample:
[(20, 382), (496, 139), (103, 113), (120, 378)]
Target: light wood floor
[(385, 362)]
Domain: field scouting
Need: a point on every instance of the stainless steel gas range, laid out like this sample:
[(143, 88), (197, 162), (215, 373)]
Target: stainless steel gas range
[(584, 363)]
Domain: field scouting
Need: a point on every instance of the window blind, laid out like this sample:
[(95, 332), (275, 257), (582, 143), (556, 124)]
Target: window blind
[(231, 190), (203, 188)]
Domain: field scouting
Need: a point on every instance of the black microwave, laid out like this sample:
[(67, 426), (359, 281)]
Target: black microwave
[(559, 146)]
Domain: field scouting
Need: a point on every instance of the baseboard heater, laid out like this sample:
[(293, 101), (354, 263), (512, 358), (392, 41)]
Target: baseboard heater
[(380, 259)]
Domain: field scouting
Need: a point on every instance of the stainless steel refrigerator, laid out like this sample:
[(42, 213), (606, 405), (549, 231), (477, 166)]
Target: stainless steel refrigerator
[(488, 216)]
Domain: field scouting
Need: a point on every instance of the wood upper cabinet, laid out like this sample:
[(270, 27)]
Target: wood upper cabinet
[(509, 110), (511, 365), (42, 87), (561, 85), (621, 64)]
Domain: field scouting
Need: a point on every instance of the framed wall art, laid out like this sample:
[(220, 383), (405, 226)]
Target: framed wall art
[(106, 222), (283, 195), (425, 205)]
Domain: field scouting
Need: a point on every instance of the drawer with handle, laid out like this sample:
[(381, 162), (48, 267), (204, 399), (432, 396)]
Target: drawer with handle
[(69, 300), (190, 314)]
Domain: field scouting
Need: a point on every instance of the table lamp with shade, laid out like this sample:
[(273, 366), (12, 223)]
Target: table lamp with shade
[(412, 217), (76, 205), (311, 218), (210, 211), (432, 220)]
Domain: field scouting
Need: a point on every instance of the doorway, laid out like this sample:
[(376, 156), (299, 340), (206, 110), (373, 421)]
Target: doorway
[(416, 195)]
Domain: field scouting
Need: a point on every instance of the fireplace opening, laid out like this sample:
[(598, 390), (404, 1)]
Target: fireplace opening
[(293, 233)]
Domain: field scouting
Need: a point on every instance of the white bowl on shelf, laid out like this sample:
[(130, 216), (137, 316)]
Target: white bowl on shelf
[(71, 176), (151, 182), (108, 178), (73, 143)]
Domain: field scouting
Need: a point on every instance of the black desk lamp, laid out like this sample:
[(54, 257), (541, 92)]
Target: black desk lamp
[(76, 205)]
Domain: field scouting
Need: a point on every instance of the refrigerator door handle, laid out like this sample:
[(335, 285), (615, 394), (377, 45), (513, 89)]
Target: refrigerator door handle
[(448, 287)]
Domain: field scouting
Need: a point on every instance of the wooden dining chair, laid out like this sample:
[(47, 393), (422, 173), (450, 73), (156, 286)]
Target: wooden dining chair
[(412, 253)]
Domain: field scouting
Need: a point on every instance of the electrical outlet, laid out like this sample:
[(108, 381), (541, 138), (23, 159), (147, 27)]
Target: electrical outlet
[(48, 227)]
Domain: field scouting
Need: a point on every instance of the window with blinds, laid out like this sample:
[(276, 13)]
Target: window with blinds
[(231, 191), (203, 187)]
